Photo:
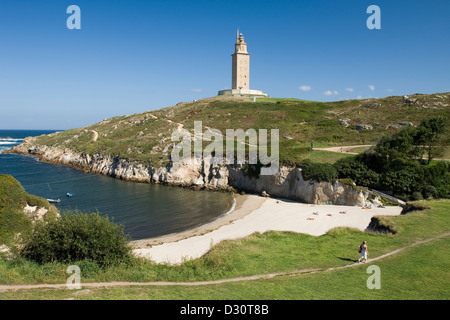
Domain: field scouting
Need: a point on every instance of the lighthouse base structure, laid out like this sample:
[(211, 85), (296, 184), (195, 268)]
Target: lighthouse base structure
[(242, 93)]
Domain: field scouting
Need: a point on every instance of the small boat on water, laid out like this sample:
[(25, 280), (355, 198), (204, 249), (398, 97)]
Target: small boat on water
[(52, 200), (69, 194)]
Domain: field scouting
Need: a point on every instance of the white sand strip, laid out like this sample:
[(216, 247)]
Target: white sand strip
[(273, 214)]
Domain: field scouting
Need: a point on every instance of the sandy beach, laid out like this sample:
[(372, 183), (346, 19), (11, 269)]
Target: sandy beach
[(257, 214)]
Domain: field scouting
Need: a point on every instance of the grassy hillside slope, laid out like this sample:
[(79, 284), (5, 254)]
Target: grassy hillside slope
[(146, 136), (13, 199)]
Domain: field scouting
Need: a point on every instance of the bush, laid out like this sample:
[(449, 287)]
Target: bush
[(348, 181), (430, 192), (356, 170), (88, 268), (75, 237), (416, 196), (404, 181), (437, 180), (318, 171), (373, 161), (13, 199)]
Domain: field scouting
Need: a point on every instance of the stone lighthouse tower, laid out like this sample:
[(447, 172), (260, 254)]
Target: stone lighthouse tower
[(240, 71), (240, 65)]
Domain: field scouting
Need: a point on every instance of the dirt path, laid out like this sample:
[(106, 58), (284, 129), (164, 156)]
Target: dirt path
[(346, 149), (202, 283), (343, 149)]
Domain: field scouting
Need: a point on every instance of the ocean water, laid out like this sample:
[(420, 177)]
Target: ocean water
[(145, 210), (10, 138)]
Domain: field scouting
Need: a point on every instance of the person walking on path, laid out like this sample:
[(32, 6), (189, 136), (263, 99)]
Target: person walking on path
[(364, 252)]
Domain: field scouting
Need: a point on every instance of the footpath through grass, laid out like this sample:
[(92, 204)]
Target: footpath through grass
[(425, 264)]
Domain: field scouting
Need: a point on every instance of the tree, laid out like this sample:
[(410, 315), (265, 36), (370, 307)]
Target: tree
[(412, 143), (428, 135), (401, 145)]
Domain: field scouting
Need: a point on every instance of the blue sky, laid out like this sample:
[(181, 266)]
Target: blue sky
[(132, 56)]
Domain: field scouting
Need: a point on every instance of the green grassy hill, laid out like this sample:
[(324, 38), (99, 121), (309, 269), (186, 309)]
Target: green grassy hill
[(146, 136), (13, 199)]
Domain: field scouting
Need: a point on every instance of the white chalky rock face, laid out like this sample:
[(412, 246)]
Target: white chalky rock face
[(287, 183)]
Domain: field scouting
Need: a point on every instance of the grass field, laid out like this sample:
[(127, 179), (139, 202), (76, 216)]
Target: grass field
[(420, 272), (320, 156)]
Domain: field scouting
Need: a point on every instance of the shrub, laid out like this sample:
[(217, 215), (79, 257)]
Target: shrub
[(356, 170), (430, 192), (373, 161), (13, 199), (417, 195), (404, 181), (437, 180), (75, 237), (318, 171), (347, 181), (88, 268)]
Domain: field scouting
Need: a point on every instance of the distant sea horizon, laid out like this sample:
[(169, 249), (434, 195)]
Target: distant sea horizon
[(145, 210), (12, 137)]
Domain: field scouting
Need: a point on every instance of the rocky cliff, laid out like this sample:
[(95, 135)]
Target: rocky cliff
[(287, 183)]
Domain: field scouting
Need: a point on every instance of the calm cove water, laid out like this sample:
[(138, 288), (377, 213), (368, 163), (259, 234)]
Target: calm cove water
[(145, 210)]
